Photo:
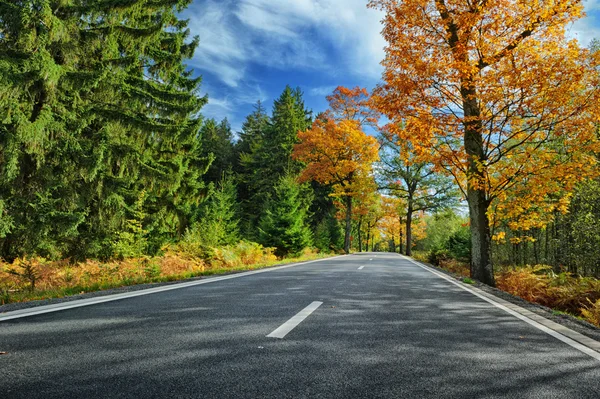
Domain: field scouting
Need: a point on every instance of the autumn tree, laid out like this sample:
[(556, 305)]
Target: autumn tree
[(404, 174), (493, 92), (338, 154), (391, 222)]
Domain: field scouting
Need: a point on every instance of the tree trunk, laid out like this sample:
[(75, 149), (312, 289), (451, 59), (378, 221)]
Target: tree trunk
[(409, 214), (400, 235), (481, 265), (359, 235), (348, 224), (481, 262)]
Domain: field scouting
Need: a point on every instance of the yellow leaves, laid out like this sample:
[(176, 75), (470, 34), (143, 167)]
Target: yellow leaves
[(499, 237), (336, 150)]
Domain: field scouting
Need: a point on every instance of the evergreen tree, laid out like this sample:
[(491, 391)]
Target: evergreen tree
[(282, 225), (96, 106), (246, 166), (219, 220), (269, 156), (253, 130), (217, 146)]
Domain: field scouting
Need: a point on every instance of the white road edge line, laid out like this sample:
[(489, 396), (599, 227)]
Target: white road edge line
[(580, 347), (292, 323), (360, 268), (16, 314)]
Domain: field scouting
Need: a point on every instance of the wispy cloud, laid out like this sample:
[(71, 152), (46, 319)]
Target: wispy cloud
[(285, 34), (321, 91), (231, 101)]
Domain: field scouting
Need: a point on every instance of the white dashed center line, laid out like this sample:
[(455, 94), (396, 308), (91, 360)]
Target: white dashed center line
[(292, 323), (360, 268)]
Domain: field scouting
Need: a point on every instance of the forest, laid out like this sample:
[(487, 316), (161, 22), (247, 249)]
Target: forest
[(486, 164)]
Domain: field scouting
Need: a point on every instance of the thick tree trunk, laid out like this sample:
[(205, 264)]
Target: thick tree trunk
[(481, 263), (348, 224), (481, 242), (409, 214)]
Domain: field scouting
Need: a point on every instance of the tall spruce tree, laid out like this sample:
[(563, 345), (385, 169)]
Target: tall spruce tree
[(269, 157), (283, 224), (251, 140), (96, 107), (217, 144)]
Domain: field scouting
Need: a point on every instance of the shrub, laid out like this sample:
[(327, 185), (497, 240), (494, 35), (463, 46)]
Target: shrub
[(438, 256), (591, 312)]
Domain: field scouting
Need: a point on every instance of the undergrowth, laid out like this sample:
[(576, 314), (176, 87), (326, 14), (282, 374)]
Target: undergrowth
[(563, 292), (35, 278)]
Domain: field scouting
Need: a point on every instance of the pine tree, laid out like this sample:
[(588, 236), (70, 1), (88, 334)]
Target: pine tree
[(282, 225), (246, 166), (218, 223), (253, 130), (217, 145), (269, 157), (96, 106)]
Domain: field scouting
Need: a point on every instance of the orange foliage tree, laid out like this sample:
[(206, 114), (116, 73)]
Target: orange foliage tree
[(390, 224), (338, 154), (492, 91)]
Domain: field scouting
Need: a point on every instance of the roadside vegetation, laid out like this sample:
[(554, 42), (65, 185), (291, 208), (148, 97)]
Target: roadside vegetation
[(37, 278), (448, 247)]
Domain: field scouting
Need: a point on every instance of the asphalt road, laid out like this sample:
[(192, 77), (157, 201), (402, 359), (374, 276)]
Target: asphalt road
[(388, 330)]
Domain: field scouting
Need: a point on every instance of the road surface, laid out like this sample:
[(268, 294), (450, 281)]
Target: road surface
[(361, 326)]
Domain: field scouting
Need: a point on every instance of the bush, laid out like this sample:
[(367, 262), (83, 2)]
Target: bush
[(576, 295), (459, 244), (438, 256)]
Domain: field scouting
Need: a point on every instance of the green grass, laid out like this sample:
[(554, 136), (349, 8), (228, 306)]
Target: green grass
[(468, 280)]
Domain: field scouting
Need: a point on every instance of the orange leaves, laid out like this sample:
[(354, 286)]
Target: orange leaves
[(337, 153), (503, 74), (352, 104)]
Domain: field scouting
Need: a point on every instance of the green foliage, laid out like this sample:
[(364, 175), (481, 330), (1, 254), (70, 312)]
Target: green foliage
[(283, 224), (459, 244), (269, 149), (217, 147), (438, 256), (132, 238), (440, 227), (218, 223), (328, 235), (96, 106)]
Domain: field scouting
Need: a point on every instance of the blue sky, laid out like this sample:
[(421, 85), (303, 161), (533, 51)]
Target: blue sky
[(250, 49)]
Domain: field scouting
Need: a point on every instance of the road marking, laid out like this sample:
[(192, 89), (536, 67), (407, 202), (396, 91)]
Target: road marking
[(569, 341), (16, 314), (371, 259), (360, 268), (292, 323)]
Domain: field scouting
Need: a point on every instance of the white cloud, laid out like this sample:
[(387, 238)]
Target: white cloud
[(347, 25), (586, 29), (286, 34), (322, 90)]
